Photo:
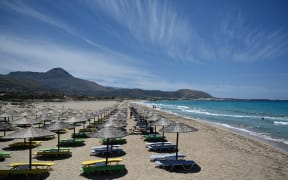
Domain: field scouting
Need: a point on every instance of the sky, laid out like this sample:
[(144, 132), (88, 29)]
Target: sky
[(227, 48)]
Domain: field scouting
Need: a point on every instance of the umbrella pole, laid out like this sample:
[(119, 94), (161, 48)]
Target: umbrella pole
[(163, 137), (177, 146), (155, 131), (107, 151), (74, 135), (30, 154), (58, 135)]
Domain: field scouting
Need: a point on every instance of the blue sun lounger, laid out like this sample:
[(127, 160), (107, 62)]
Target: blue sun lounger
[(162, 148), (157, 143), (102, 152), (171, 164), (159, 157), (104, 147)]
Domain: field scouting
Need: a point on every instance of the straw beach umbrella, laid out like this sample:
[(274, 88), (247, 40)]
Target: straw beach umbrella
[(108, 133), (74, 120), (57, 126), (30, 132), (25, 121), (162, 122), (178, 128)]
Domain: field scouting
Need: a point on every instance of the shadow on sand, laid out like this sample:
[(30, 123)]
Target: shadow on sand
[(179, 169), (106, 176), (123, 153), (52, 158), (25, 177), (16, 148)]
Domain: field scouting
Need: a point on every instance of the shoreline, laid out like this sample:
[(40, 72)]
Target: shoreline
[(218, 152), (283, 148), (239, 131)]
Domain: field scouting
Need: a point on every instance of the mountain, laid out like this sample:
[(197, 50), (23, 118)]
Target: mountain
[(57, 80)]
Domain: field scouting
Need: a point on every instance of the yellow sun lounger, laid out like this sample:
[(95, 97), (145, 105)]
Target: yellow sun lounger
[(25, 144), (54, 152), (100, 161), (43, 165), (23, 168), (95, 166)]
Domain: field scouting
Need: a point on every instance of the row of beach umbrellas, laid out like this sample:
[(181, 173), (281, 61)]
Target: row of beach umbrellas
[(33, 132), (113, 128), (168, 126)]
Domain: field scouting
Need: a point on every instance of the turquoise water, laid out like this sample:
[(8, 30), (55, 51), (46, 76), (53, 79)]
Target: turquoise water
[(265, 119)]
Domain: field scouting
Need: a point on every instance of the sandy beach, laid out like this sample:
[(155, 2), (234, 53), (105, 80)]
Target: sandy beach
[(218, 152)]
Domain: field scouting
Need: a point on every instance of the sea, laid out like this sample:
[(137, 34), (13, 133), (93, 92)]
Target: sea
[(265, 120)]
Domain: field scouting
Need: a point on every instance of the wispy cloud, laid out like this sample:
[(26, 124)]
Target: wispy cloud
[(107, 67), (154, 24), (26, 9), (158, 27), (240, 41)]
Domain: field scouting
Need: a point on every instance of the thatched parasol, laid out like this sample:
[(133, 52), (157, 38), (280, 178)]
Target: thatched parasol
[(178, 128)]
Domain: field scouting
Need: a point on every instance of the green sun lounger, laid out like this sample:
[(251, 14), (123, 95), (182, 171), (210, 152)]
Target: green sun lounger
[(80, 135), (113, 141), (154, 138), (103, 169), (4, 154), (53, 152), (71, 142), (99, 166)]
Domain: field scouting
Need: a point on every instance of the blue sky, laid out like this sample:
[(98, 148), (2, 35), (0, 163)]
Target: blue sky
[(227, 48)]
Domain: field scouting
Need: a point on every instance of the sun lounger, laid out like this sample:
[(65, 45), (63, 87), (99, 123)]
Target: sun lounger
[(61, 131), (151, 135), (105, 147), (47, 165), (154, 138), (135, 131), (44, 137), (159, 157), (157, 143), (80, 135), (23, 168), (111, 152), (95, 166), (99, 161), (71, 142), (24, 144), (89, 129), (162, 148), (113, 141), (53, 152), (5, 154), (171, 164)]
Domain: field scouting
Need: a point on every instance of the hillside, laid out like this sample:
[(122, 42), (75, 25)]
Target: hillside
[(58, 80)]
